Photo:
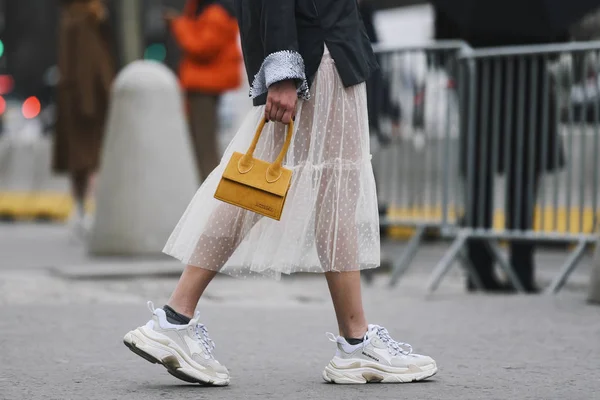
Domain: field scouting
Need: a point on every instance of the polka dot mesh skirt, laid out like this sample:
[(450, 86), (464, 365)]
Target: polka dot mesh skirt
[(330, 221)]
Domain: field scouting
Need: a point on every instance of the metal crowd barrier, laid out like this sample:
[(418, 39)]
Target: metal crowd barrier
[(414, 113), (28, 189), (529, 148)]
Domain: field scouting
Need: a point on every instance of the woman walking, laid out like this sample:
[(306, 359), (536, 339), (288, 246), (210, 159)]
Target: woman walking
[(307, 62), (87, 69)]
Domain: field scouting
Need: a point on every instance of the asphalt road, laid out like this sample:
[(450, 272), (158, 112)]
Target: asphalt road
[(64, 315), (487, 348)]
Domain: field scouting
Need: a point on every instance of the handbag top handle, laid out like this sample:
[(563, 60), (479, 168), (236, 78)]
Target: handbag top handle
[(274, 171)]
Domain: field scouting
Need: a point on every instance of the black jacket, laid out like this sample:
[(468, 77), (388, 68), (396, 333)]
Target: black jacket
[(368, 16), (274, 32)]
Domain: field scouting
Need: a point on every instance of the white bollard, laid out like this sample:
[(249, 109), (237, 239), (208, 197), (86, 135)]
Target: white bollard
[(147, 176), (594, 296)]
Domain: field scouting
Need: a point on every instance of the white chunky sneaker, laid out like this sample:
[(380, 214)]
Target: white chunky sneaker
[(378, 358), (185, 350)]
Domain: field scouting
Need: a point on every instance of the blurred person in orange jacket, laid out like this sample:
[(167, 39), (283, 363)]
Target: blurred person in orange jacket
[(207, 33)]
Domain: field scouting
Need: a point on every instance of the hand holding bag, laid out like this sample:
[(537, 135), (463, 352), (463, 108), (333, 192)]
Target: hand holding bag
[(254, 184)]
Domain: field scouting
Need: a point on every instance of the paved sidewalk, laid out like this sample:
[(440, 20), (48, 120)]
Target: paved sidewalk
[(61, 332), (487, 348)]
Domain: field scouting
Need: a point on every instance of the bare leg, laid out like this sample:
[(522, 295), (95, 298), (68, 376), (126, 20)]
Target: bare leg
[(190, 288), (347, 301), (340, 243), (344, 286), (213, 252), (216, 247)]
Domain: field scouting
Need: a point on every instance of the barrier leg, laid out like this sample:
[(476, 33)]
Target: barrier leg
[(506, 267), (403, 263), (594, 291), (569, 266), (471, 271), (445, 264), (367, 275)]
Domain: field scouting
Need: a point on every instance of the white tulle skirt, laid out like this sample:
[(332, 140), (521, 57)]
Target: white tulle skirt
[(330, 220)]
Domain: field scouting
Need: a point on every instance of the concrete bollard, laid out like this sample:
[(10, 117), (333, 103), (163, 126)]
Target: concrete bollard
[(594, 296), (147, 176)]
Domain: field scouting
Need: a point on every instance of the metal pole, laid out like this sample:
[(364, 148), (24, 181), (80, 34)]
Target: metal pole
[(445, 264), (594, 295), (567, 268), (130, 30)]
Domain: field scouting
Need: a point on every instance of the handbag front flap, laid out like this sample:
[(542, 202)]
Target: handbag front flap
[(257, 176)]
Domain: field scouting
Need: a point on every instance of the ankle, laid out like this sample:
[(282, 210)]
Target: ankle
[(183, 311), (355, 332)]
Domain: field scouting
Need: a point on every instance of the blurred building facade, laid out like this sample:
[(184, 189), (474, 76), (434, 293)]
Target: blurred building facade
[(28, 32)]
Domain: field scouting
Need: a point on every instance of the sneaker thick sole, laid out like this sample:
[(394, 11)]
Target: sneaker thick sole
[(362, 372), (171, 357)]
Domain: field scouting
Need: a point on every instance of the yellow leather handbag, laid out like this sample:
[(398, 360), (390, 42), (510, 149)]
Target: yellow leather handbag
[(254, 184)]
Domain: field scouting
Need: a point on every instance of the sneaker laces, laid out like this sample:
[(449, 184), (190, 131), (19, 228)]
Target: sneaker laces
[(204, 338), (201, 333), (395, 348)]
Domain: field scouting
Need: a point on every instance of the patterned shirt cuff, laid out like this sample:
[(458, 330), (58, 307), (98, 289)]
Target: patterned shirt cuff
[(280, 66)]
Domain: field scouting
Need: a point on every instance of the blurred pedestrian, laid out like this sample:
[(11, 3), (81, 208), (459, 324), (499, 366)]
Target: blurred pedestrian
[(379, 97), (207, 34), (86, 67), (320, 53), (514, 156), (588, 28), (582, 71)]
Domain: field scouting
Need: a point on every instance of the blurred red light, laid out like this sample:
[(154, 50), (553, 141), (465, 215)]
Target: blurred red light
[(2, 105), (31, 107), (7, 84)]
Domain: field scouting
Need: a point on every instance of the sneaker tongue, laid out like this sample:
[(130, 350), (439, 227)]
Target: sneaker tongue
[(373, 330), (196, 319)]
